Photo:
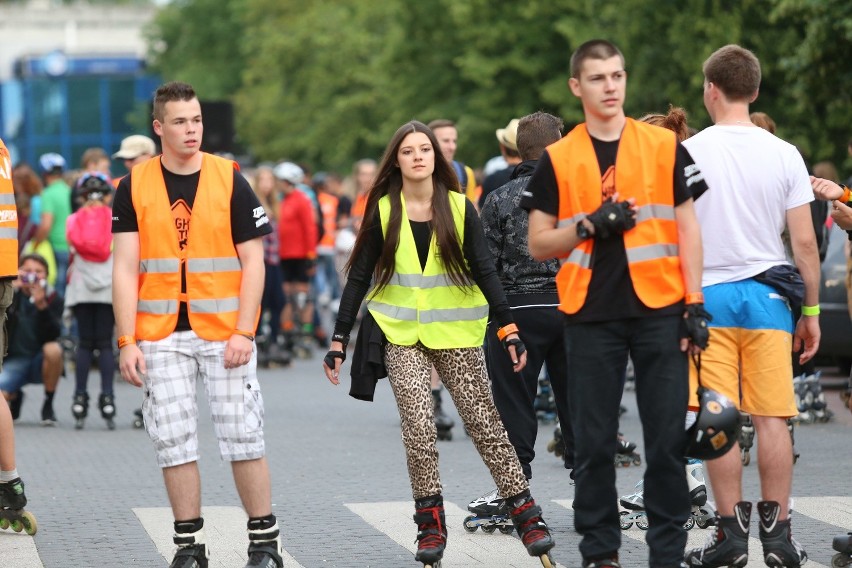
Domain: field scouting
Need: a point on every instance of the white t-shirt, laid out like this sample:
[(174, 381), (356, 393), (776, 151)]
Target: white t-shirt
[(753, 179)]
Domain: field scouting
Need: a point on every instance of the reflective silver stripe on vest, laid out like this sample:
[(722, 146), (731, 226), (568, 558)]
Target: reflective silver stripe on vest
[(454, 314), (7, 199), (158, 307), (655, 211), (420, 280), (393, 312), (580, 258), (651, 252), (570, 221), (8, 233), (159, 266), (222, 264), (214, 305)]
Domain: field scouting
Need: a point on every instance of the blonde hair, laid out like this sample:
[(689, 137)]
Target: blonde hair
[(675, 121), (763, 120)]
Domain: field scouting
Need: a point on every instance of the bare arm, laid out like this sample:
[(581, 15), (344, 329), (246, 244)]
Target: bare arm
[(547, 240), (803, 241), (842, 215), (238, 349), (125, 294), (690, 249)]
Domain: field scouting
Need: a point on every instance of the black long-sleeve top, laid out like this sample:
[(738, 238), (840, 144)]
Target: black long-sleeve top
[(474, 248)]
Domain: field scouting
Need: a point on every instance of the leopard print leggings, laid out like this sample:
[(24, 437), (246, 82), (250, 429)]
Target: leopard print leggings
[(463, 373)]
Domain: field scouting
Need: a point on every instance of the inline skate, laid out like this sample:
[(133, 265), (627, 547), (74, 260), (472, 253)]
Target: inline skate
[(431, 530), (545, 403), (701, 514), (106, 404), (791, 427), (728, 545), (846, 394), (489, 514), (264, 550), (804, 400), (780, 549), (192, 550), (443, 423), (80, 409), (819, 409), (532, 529), (843, 545), (12, 513), (625, 453), (556, 446), (746, 438), (138, 421)]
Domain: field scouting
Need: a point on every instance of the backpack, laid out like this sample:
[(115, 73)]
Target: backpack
[(89, 231)]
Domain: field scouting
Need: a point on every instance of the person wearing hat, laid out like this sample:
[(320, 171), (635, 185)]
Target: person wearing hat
[(134, 150), (508, 139), (55, 209)]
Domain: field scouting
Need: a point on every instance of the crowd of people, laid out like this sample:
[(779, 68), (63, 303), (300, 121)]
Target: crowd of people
[(622, 239)]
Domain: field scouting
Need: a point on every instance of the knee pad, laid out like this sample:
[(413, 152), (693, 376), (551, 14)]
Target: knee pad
[(301, 300)]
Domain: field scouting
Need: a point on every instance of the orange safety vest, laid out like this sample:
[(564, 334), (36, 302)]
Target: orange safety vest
[(644, 170), (328, 208), (212, 267), (8, 217)]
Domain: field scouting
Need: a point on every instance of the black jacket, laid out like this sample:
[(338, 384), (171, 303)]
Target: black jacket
[(30, 328)]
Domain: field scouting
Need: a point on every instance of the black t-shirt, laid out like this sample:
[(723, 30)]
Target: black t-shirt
[(248, 218), (611, 295)]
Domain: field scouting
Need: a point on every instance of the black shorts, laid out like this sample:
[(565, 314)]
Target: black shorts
[(295, 270)]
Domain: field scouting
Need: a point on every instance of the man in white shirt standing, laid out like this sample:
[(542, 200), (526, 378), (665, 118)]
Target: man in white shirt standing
[(758, 183)]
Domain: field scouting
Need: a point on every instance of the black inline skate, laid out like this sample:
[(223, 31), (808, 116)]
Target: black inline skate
[(746, 439), (556, 446), (138, 421), (443, 423), (843, 545), (728, 545), (192, 550), (780, 549), (106, 404), (80, 409), (545, 403), (489, 514), (625, 453), (12, 503), (534, 532), (264, 550), (431, 530), (819, 408), (804, 400)]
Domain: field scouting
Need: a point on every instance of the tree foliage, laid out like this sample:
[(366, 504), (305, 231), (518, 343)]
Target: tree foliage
[(328, 81)]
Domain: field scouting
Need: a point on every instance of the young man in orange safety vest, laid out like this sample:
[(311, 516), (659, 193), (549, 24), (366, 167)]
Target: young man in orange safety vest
[(187, 229), (614, 199)]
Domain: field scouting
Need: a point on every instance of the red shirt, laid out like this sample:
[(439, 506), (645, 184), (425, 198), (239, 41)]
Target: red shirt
[(297, 227)]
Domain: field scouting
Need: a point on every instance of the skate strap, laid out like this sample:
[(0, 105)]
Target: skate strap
[(264, 535), (525, 514)]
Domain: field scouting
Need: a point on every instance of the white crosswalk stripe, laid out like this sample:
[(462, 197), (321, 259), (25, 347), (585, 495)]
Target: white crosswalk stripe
[(224, 529), (18, 550), (463, 549), (814, 507)]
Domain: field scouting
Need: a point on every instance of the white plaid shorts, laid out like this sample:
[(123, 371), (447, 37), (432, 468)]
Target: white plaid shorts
[(170, 410)]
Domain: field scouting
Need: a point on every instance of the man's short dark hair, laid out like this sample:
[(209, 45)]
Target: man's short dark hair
[(536, 132), (735, 71), (593, 49), (36, 258), (169, 92)]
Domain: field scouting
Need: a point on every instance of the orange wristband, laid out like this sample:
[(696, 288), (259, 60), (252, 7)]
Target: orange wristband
[(506, 330), (247, 334), (695, 298), (125, 340)]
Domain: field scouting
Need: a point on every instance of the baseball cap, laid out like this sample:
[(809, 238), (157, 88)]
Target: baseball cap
[(50, 162), (508, 136), (288, 171), (134, 146)]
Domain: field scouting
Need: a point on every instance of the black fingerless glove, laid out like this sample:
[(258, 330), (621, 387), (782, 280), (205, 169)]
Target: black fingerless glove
[(332, 355), (696, 321), (519, 345), (612, 219)]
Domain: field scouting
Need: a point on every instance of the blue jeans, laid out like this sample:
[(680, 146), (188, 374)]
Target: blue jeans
[(19, 371)]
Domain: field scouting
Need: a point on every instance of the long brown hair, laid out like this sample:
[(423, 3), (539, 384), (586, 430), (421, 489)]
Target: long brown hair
[(389, 182)]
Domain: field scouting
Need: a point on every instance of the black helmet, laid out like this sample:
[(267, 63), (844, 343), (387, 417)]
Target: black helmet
[(94, 186), (717, 427)]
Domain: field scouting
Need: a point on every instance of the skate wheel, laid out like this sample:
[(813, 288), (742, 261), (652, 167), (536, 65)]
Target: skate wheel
[(17, 525), (468, 525), (4, 524), (746, 457), (551, 446), (637, 460), (488, 529), (507, 529), (29, 522), (841, 560), (702, 524), (546, 560), (690, 522), (623, 522), (642, 523)]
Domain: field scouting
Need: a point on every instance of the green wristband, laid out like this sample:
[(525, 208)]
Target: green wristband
[(810, 310)]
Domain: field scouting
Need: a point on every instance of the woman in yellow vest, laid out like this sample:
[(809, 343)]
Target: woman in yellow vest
[(422, 244)]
